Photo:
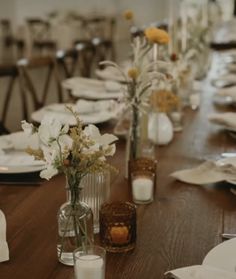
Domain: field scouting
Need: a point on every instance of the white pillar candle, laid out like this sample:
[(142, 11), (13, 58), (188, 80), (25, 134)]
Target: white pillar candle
[(89, 267), (194, 100), (142, 189)]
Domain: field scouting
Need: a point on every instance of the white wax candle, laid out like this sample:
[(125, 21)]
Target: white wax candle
[(142, 189), (176, 116), (194, 100), (89, 267)]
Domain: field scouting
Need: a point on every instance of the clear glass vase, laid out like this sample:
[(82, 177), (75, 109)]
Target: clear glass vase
[(75, 226), (96, 191)]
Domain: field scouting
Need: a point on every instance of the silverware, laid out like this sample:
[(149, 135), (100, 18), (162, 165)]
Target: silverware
[(228, 235)]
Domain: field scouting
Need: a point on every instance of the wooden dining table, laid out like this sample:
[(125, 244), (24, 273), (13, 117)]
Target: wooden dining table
[(181, 225)]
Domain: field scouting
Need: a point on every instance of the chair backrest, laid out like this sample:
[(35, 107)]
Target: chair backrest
[(40, 35), (100, 26), (27, 84)]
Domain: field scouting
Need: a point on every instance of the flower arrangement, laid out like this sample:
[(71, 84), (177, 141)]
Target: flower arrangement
[(143, 73), (73, 151), (164, 100)]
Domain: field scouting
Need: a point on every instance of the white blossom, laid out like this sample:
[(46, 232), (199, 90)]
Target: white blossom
[(28, 128)]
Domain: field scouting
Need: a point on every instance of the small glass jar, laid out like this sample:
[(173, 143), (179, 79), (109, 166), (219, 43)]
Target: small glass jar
[(90, 262), (118, 226), (142, 183), (143, 164)]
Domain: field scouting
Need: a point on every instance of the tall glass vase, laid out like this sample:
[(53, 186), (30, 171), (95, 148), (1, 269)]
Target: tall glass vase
[(133, 139), (75, 226), (134, 133)]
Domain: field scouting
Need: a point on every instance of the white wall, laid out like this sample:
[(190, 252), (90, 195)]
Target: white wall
[(8, 9), (145, 11)]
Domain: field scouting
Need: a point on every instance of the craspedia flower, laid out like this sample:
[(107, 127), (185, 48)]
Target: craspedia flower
[(133, 73), (156, 35), (128, 15)]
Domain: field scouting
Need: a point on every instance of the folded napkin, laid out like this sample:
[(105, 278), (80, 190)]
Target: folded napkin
[(228, 92), (114, 86), (200, 272), (110, 73), (86, 107), (81, 84), (4, 251), (226, 119), (13, 159), (206, 173)]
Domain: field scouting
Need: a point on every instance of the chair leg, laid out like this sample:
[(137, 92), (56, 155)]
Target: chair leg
[(58, 81), (31, 89), (7, 98), (3, 129), (46, 85), (23, 89)]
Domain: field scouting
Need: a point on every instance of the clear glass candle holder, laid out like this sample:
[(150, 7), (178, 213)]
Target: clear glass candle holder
[(90, 262), (118, 226), (142, 184)]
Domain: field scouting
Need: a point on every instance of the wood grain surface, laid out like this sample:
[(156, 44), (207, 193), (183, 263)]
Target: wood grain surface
[(178, 229)]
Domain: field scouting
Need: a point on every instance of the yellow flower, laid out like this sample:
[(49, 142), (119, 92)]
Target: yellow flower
[(128, 15), (133, 73), (156, 35)]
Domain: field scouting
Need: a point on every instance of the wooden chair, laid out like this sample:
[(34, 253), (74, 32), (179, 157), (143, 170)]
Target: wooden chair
[(11, 73), (40, 34), (102, 28), (27, 84), (77, 61)]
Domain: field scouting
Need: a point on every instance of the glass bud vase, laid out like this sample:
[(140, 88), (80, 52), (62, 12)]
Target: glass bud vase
[(133, 139), (75, 227)]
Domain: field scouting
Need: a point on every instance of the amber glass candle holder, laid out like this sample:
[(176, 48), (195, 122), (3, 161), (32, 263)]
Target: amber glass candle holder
[(118, 226)]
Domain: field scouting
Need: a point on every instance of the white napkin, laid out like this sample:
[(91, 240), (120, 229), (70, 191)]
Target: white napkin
[(110, 73), (114, 86), (228, 92), (206, 173), (227, 119), (81, 84), (200, 272), (13, 159), (4, 251), (21, 141)]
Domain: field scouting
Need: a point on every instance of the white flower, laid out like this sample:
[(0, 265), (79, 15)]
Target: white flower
[(102, 141), (49, 172), (28, 128), (65, 142), (50, 129)]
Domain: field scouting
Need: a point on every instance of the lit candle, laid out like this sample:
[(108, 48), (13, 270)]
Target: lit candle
[(176, 116), (119, 234), (142, 189), (194, 100), (89, 267)]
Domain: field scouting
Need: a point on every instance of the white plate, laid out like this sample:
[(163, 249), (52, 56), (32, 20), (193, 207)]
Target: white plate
[(67, 118), (10, 168), (223, 256), (20, 169), (93, 89)]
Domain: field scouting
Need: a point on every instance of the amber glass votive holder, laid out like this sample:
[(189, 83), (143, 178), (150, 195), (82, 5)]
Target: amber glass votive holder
[(118, 226)]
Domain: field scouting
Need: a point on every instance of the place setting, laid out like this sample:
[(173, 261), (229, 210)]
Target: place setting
[(91, 112), (93, 89)]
